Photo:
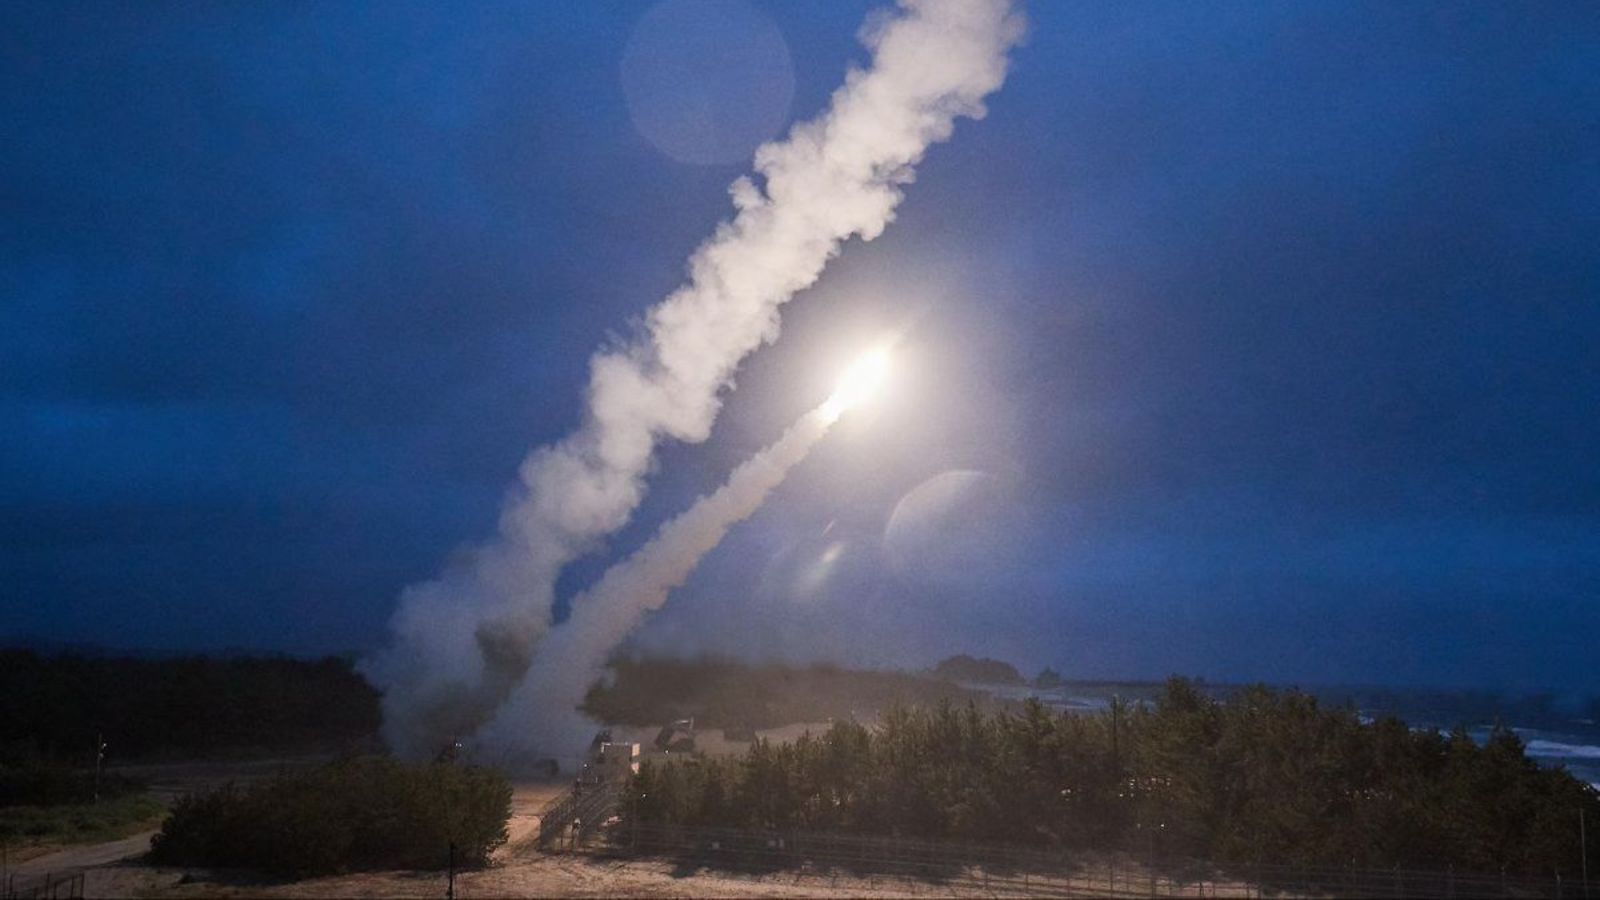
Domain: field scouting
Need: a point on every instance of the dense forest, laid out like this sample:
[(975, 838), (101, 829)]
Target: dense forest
[(726, 694), (1264, 776), (53, 707)]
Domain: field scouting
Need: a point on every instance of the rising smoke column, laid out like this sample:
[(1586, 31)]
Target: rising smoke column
[(461, 641), (541, 714)]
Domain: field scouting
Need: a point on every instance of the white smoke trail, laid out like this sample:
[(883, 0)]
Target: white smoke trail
[(541, 715), (461, 641)]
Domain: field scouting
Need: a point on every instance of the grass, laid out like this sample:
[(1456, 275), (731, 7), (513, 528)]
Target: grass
[(78, 823)]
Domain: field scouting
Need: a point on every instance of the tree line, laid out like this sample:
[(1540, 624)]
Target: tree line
[(53, 707), (1264, 776)]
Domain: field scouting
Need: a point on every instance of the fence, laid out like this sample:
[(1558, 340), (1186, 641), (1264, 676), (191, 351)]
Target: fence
[(54, 886), (914, 866)]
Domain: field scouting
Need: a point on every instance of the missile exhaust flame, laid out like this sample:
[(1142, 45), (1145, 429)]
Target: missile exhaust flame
[(859, 383)]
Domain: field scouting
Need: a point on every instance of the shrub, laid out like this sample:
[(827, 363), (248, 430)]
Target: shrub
[(357, 814)]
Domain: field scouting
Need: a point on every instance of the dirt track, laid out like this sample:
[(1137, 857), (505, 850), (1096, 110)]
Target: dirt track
[(83, 856), (538, 876)]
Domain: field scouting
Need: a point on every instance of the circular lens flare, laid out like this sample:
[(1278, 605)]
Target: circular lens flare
[(859, 382)]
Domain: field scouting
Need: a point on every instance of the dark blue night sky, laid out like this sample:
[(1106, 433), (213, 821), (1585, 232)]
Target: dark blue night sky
[(1243, 340)]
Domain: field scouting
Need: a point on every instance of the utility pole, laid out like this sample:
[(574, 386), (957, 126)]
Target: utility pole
[(99, 758)]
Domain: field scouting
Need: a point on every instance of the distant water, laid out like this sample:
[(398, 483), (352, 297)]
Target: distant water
[(1553, 748), (1552, 737)]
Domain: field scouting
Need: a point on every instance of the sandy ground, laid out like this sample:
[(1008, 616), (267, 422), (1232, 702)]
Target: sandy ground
[(544, 876)]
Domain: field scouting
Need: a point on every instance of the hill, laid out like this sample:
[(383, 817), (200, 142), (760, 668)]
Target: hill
[(978, 671)]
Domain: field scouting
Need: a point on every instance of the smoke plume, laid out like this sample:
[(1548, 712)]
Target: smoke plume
[(541, 714), (461, 642)]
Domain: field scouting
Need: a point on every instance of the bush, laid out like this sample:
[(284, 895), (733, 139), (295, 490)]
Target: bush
[(357, 814)]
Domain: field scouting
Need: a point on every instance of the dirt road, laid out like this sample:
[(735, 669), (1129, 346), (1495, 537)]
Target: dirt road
[(83, 856), (536, 876)]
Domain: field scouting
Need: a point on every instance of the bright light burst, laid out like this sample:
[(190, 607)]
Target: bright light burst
[(859, 382)]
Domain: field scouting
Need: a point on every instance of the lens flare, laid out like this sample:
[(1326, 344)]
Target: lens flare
[(858, 383)]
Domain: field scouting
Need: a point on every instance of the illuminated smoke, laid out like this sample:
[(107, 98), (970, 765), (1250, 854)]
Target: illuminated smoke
[(541, 714), (462, 641)]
